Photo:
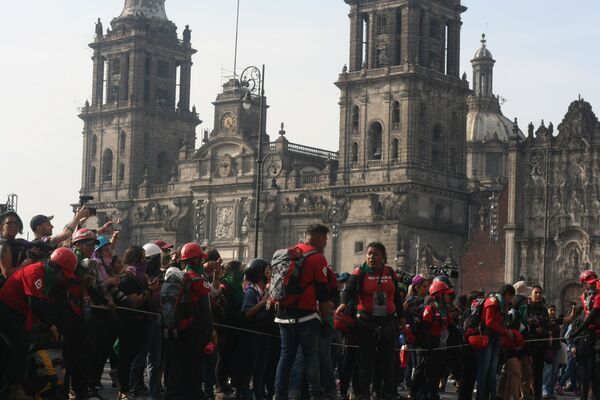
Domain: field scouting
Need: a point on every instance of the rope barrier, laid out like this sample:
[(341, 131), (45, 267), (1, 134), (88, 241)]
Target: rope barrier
[(416, 350)]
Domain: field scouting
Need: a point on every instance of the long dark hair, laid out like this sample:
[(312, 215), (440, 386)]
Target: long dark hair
[(379, 246), (133, 255)]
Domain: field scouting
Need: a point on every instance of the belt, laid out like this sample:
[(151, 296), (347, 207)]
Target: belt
[(297, 320)]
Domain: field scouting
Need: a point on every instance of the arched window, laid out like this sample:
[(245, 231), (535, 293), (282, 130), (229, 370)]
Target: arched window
[(121, 172), (162, 167), (122, 142), (107, 165), (454, 126), (92, 176), (355, 118), (94, 146), (439, 211), (374, 142), (453, 159), (423, 150), (355, 152), (396, 116), (492, 164), (395, 149), (437, 148)]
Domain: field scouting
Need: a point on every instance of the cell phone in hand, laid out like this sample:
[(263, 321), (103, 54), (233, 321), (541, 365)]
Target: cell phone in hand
[(117, 227)]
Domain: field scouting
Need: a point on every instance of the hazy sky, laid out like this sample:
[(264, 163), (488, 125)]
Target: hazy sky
[(546, 52)]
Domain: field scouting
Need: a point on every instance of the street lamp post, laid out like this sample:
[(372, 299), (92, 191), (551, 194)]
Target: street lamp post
[(493, 232), (252, 80)]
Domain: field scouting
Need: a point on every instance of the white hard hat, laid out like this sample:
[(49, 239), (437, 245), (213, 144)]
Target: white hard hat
[(151, 249), (174, 271)]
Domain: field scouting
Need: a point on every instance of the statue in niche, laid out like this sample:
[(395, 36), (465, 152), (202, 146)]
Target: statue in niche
[(575, 209), (524, 258), (595, 212), (580, 172), (201, 207), (538, 213), (246, 215), (569, 266)]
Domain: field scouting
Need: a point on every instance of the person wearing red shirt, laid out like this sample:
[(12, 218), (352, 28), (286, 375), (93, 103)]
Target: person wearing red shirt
[(28, 292), (186, 350), (590, 298), (495, 312), (300, 324), (380, 311), (432, 334)]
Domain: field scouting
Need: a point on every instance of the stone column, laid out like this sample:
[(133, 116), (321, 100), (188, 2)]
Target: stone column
[(511, 251), (371, 41), (356, 41), (98, 83), (395, 42), (185, 85)]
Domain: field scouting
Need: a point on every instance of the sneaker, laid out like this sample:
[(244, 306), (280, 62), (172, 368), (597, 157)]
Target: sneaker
[(126, 396), (559, 390)]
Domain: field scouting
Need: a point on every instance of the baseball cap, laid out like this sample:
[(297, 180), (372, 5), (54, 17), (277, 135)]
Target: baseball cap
[(40, 220), (522, 288), (163, 245)]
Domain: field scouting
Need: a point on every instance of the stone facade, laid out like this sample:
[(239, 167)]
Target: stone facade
[(399, 176), (425, 165)]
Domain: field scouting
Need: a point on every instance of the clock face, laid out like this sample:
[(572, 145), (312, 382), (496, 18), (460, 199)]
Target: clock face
[(228, 121)]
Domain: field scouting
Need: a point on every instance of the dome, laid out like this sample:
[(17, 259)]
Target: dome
[(483, 52), (154, 9), (488, 125)]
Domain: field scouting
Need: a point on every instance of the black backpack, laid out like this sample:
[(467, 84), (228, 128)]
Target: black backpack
[(473, 321)]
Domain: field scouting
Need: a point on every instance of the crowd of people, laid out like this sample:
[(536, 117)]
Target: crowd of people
[(178, 324)]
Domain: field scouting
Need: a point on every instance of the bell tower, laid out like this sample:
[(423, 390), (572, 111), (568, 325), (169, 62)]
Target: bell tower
[(403, 105), (139, 117)]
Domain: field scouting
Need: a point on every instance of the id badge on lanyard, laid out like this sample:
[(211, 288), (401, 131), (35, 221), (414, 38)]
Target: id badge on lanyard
[(444, 336), (379, 304)]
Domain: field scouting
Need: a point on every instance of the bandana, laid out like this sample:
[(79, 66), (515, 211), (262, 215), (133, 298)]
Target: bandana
[(199, 269), (234, 281), (140, 270), (49, 278)]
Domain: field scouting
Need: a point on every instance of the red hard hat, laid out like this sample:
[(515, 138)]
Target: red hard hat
[(84, 234), (190, 251), (65, 259), (437, 287), (479, 341), (588, 276), (343, 322)]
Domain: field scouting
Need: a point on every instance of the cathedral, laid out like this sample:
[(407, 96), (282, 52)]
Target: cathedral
[(427, 164)]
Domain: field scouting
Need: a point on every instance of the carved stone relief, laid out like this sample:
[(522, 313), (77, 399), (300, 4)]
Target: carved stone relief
[(224, 223), (200, 215)]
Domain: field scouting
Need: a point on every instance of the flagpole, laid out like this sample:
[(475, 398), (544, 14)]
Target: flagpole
[(237, 26)]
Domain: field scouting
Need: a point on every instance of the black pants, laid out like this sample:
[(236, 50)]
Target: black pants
[(349, 368), (131, 338), (376, 340), (538, 355), (469, 374), (75, 354), (102, 333), (591, 366), (253, 364), (12, 326), (427, 372), (227, 357), (183, 367)]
